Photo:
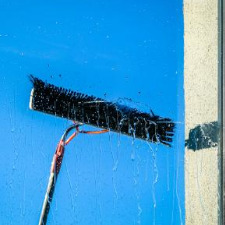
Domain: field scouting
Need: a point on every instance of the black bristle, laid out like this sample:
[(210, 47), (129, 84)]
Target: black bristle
[(94, 111)]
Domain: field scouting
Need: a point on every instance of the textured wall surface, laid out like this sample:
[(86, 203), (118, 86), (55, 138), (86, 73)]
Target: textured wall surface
[(201, 90)]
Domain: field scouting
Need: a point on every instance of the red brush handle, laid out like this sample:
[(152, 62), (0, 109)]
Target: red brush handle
[(57, 158)]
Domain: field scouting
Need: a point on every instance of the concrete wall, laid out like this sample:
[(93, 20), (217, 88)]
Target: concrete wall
[(201, 97)]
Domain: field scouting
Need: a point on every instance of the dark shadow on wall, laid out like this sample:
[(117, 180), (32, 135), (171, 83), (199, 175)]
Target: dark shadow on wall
[(203, 136)]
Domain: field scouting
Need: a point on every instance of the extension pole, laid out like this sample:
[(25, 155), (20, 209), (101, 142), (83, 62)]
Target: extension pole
[(47, 200), (55, 168)]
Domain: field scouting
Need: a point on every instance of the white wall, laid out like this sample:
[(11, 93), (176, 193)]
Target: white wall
[(201, 97)]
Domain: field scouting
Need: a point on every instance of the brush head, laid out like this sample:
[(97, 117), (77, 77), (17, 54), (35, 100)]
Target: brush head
[(86, 109)]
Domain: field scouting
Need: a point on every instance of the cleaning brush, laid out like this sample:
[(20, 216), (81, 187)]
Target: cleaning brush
[(100, 113), (85, 109)]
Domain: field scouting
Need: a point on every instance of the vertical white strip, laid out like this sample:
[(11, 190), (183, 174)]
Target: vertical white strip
[(201, 102)]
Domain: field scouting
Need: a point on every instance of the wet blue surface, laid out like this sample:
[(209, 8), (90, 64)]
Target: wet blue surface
[(126, 51)]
